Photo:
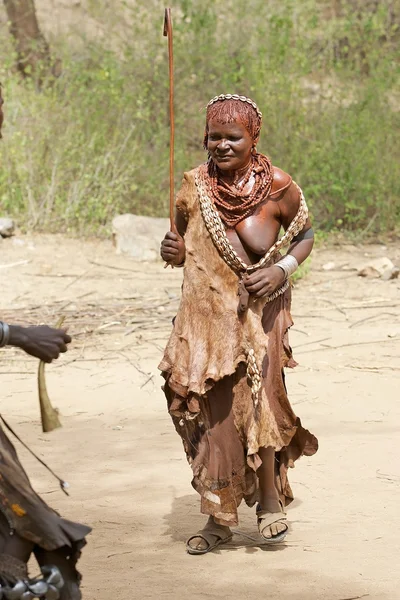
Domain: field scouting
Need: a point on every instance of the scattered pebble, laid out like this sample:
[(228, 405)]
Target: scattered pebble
[(329, 266)]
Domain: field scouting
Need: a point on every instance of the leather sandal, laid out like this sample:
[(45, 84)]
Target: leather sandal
[(265, 519), (213, 535)]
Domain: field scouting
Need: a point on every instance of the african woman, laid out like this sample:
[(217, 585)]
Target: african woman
[(224, 362)]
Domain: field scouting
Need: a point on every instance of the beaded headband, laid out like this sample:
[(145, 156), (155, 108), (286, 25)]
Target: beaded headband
[(222, 97)]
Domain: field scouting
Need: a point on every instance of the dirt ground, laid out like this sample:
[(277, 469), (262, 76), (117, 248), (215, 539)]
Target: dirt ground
[(125, 464)]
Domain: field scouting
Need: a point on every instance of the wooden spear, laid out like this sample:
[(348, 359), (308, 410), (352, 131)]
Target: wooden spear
[(168, 34)]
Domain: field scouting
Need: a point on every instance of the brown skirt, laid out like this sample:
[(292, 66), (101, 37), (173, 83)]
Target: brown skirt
[(217, 437), (26, 513)]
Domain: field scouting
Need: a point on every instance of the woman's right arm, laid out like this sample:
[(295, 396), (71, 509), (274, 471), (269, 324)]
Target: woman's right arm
[(173, 245)]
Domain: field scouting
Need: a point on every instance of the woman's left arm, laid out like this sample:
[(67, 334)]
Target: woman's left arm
[(302, 244), (269, 279)]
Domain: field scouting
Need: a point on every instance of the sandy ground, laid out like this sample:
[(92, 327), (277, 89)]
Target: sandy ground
[(125, 464)]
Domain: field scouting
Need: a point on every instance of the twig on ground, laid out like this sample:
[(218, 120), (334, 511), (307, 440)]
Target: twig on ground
[(371, 369), (386, 477), (97, 264), (17, 373), (81, 276), (120, 553), (14, 300), (134, 364), (64, 306), (361, 306), (313, 342), (322, 317), (372, 317), (355, 597), (76, 360), (107, 325), (15, 264), (338, 308), (52, 275), (159, 348), (147, 380), (245, 535), (155, 306), (347, 345), (103, 385), (85, 294), (300, 331), (144, 325)]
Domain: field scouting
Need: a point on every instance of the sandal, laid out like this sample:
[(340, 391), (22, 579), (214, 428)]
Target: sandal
[(213, 535), (266, 519)]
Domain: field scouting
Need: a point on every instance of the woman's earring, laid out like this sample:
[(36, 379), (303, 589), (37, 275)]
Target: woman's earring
[(254, 150)]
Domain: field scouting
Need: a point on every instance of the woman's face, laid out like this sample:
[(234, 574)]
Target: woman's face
[(229, 145)]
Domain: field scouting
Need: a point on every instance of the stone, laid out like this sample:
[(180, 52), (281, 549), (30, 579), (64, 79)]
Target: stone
[(329, 266), (379, 267), (138, 236), (391, 274), (7, 227)]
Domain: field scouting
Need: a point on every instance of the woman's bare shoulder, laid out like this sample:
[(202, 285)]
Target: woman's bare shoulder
[(281, 182)]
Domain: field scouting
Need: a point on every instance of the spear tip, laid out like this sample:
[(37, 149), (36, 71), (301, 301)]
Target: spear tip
[(167, 21)]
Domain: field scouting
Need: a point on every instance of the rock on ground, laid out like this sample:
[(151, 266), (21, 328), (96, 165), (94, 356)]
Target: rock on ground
[(378, 267), (139, 237), (7, 227)]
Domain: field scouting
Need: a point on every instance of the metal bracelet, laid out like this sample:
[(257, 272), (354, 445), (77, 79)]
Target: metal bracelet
[(288, 264), (4, 334)]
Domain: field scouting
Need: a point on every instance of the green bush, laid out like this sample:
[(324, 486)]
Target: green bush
[(94, 142)]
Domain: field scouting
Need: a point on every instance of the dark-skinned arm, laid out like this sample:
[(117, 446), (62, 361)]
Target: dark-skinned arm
[(268, 280), (43, 342), (303, 243), (173, 245)]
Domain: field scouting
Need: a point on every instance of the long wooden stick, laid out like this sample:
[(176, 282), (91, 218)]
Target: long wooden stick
[(168, 34)]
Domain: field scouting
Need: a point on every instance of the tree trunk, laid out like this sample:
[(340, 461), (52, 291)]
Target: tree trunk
[(34, 59)]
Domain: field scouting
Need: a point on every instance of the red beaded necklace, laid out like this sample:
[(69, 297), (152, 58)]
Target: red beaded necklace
[(232, 201)]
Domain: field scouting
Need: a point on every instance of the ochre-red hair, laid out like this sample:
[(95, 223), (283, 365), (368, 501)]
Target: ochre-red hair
[(231, 111)]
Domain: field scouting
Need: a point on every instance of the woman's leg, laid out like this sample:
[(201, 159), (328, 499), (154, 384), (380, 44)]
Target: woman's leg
[(269, 497), (221, 450)]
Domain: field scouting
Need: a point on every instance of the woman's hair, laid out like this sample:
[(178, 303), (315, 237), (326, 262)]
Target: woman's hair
[(230, 110)]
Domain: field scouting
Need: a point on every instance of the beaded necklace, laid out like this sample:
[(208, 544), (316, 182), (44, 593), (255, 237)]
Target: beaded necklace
[(233, 202)]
